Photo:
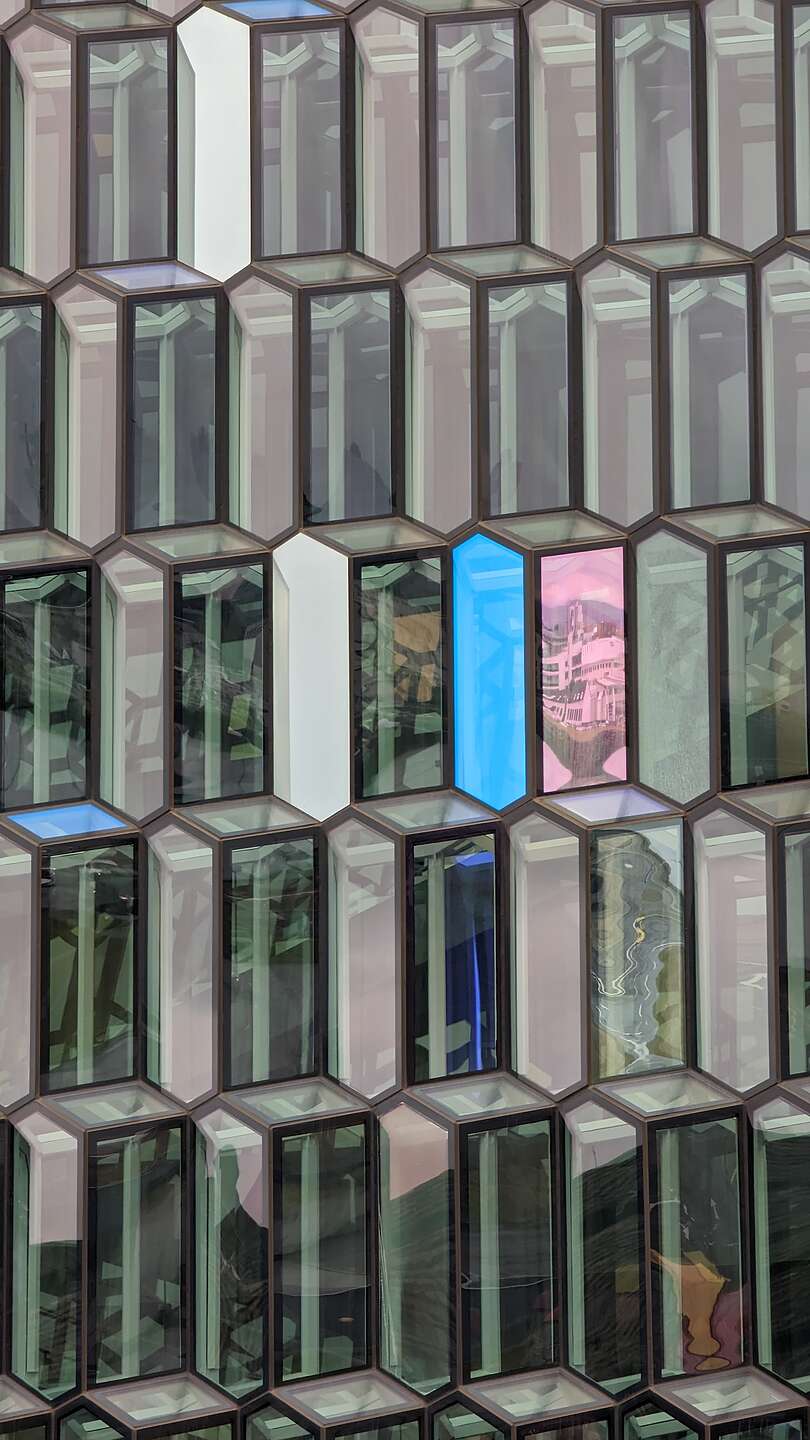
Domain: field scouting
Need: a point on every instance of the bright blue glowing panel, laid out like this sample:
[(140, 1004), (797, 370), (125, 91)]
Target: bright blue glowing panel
[(275, 9), (59, 821), (489, 648)]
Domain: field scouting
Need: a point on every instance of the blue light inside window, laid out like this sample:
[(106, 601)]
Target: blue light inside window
[(275, 9), (489, 650), (66, 820)]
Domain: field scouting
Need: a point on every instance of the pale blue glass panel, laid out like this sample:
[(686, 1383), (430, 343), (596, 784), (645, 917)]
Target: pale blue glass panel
[(62, 820), (275, 9), (489, 659)]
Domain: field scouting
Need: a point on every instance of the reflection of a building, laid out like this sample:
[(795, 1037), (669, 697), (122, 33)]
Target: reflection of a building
[(583, 671)]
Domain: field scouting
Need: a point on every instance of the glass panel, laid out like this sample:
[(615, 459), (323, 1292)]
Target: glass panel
[(127, 150), (801, 113), (46, 1248), (301, 146), (322, 1293), (40, 135), (173, 426), (89, 904), (86, 414), (489, 656), (563, 120), (475, 132), (648, 1420), (231, 1253), (389, 124), (528, 398), (454, 937), (136, 1240), (220, 638), (349, 471), (67, 820), (261, 408), (652, 85), (363, 952), (20, 416), (270, 947), (581, 677), (414, 1249), (617, 392), (796, 860), (179, 960), (16, 962), (637, 979), (400, 676), (132, 730), (547, 1043), (270, 1424), (539, 1395), (767, 688), (781, 1160), (709, 382), (785, 331), (697, 1268), (604, 1220), (456, 1423), (84, 1424), (509, 1291), (438, 413), (731, 941), (741, 90), (45, 634), (673, 704)]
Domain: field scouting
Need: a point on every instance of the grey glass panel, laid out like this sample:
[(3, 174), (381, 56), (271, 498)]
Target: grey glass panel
[(564, 127), (387, 47), (801, 112), (709, 383), (127, 150), (438, 400), (796, 860), (301, 147), (741, 92), (781, 1160), (40, 130), (785, 342), (475, 132), (652, 82), (173, 417), (20, 416), (617, 392)]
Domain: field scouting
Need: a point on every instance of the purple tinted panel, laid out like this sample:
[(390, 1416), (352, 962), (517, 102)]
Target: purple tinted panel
[(582, 729)]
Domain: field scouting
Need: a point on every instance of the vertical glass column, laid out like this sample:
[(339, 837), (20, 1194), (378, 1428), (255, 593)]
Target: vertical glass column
[(125, 119), (781, 1160), (89, 928), (231, 1253), (617, 392), (388, 120), (131, 690), (261, 392), (300, 82), (741, 93), (766, 677), (40, 131), (45, 633), (785, 352), (45, 1255), (172, 412), (652, 123), (86, 413), (564, 127), (438, 400), (414, 1249), (220, 682), (399, 703), (801, 113), (21, 498), (794, 856), (16, 973), (474, 135), (350, 471)]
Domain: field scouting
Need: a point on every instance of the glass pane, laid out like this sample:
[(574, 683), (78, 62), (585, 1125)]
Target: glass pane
[(673, 705), (46, 1249), (89, 908), (741, 90), (546, 992), (20, 416), (179, 964), (637, 960), (767, 687), (731, 941), (350, 472), (86, 414), (40, 135), (363, 954), (322, 1293), (270, 920), (652, 85), (400, 676), (475, 132), (563, 119), (581, 677), (127, 150), (785, 332), (136, 1240), (454, 938), (456, 1423), (507, 1258), (617, 392), (528, 398), (801, 113), (261, 408), (648, 1420), (231, 1253), (414, 1249), (696, 1244), (45, 633), (173, 419), (389, 126), (16, 962), (219, 674), (489, 659), (796, 860), (781, 1160), (604, 1220), (709, 383), (301, 145), (132, 730), (438, 413)]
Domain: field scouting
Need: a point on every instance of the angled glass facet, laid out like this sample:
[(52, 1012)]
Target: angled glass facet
[(742, 102), (564, 127), (652, 90), (617, 392), (474, 134), (301, 147)]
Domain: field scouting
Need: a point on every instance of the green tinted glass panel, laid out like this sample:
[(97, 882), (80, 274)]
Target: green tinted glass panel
[(20, 409)]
